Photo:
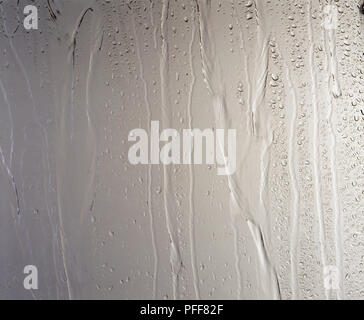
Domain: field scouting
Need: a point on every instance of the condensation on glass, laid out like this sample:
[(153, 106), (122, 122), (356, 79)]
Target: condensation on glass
[(286, 75)]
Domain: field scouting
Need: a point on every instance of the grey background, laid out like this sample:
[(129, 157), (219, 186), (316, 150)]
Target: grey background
[(98, 227)]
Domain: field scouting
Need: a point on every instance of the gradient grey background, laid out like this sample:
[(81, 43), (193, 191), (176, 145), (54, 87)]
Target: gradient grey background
[(98, 227)]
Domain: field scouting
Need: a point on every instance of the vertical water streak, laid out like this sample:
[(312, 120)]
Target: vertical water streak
[(149, 184), (175, 257), (335, 92), (316, 144), (294, 187), (212, 75), (191, 173)]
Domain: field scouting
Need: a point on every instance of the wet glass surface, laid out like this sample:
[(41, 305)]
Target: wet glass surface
[(286, 223)]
